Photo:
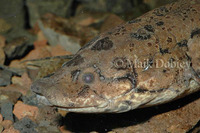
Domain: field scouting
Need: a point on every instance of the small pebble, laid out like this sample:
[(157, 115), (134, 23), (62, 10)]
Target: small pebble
[(6, 110)]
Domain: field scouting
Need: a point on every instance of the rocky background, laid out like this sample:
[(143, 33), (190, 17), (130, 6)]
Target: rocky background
[(34, 36)]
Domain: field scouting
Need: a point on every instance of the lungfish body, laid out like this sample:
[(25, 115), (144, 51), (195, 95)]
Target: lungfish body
[(147, 61)]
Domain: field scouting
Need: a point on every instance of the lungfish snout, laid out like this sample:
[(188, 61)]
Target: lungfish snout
[(38, 86)]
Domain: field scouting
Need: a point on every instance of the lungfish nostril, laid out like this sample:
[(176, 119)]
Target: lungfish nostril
[(36, 88)]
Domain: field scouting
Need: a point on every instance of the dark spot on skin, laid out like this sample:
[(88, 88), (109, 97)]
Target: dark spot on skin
[(141, 34), (195, 32), (140, 90), (131, 45), (157, 91), (149, 28), (144, 90), (49, 75), (183, 43), (169, 40), (71, 105), (128, 102), (90, 43), (88, 78), (84, 90), (130, 77), (169, 29), (164, 71), (164, 51), (160, 23), (117, 34), (161, 89), (134, 21), (157, 41), (149, 44), (161, 11), (75, 74), (132, 96), (103, 44)]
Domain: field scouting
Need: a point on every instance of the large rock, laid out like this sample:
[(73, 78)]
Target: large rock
[(13, 20), (68, 34), (25, 125), (38, 8), (108, 24), (13, 12), (5, 77), (117, 6), (16, 48), (4, 26), (6, 110), (156, 3), (2, 56)]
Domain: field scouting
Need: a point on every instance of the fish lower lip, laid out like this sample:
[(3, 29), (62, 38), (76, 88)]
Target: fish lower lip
[(43, 100), (89, 109), (83, 109)]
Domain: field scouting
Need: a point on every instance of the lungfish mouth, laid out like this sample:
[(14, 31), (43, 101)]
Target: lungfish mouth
[(89, 109)]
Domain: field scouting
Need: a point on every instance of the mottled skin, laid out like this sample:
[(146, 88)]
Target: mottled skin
[(104, 75)]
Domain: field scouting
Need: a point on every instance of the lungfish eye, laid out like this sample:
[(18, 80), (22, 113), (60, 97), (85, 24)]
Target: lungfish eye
[(88, 78)]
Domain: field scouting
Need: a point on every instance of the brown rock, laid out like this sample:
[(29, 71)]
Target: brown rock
[(63, 130), (41, 50), (108, 24), (7, 124), (58, 50), (11, 130), (48, 114), (16, 64), (5, 77), (1, 118), (37, 8), (4, 26), (22, 110), (14, 88), (24, 80), (2, 41), (40, 43), (16, 48), (62, 112), (86, 21), (6, 95), (156, 3), (40, 36), (65, 32), (1, 128), (2, 56)]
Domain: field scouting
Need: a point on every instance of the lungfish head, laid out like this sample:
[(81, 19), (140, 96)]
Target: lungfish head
[(93, 81)]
